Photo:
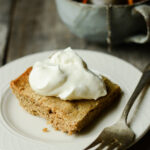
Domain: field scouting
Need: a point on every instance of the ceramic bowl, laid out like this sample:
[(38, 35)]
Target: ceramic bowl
[(103, 23)]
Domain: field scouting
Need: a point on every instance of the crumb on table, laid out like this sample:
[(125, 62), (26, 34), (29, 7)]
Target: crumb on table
[(45, 130)]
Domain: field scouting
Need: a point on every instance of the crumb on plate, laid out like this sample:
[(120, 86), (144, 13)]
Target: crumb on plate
[(45, 130)]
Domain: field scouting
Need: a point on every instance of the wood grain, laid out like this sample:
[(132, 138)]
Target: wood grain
[(37, 27), (5, 7)]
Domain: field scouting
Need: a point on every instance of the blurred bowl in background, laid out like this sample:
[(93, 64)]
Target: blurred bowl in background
[(98, 23)]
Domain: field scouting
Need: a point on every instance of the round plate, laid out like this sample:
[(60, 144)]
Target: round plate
[(20, 130)]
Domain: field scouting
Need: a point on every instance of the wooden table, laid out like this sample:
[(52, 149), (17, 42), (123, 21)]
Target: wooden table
[(30, 26)]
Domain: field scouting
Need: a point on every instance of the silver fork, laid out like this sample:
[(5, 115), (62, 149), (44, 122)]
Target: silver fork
[(119, 136)]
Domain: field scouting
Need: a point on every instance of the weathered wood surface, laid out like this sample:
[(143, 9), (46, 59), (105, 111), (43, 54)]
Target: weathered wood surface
[(5, 8), (36, 27)]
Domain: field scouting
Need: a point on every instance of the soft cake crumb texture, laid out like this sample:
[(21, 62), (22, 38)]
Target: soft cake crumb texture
[(67, 116)]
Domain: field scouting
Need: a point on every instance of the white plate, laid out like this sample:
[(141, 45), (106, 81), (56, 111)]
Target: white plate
[(21, 131)]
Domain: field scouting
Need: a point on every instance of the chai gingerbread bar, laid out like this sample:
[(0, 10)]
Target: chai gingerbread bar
[(67, 116)]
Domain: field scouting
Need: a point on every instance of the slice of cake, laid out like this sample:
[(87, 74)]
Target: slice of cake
[(67, 116)]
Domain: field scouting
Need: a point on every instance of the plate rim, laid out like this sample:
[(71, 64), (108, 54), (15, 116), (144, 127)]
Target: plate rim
[(78, 50), (89, 50)]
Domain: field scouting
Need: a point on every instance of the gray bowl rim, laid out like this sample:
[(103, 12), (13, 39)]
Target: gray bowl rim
[(104, 5)]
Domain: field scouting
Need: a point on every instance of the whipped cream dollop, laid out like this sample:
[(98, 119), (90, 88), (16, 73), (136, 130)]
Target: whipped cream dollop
[(65, 75)]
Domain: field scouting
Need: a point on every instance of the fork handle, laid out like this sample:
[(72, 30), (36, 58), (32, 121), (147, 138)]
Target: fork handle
[(145, 79)]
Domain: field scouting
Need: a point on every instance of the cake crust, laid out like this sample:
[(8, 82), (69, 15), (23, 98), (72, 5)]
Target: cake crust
[(67, 116)]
